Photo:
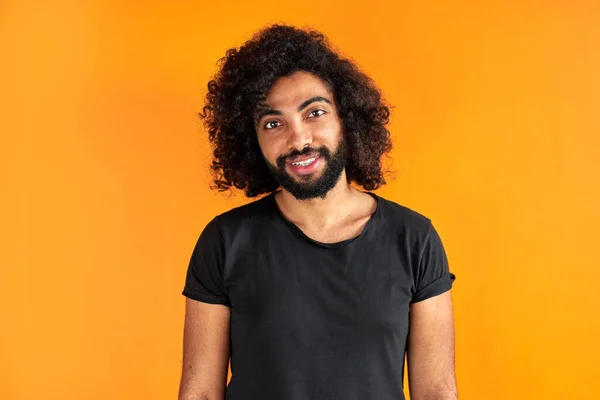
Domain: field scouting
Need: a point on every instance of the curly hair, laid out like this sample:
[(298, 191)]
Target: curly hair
[(242, 83)]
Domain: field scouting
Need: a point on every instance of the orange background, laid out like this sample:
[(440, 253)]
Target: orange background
[(105, 182)]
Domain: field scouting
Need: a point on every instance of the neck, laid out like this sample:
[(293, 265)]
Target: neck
[(339, 201)]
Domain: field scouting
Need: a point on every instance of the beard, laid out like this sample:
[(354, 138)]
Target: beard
[(307, 188)]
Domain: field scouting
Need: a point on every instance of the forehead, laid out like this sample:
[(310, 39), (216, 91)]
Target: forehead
[(290, 91)]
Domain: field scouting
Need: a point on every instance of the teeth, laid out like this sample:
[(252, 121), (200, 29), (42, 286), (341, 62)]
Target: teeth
[(305, 163)]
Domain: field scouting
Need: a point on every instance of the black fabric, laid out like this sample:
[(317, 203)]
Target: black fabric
[(311, 320)]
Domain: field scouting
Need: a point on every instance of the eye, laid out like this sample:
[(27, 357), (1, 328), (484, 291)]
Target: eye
[(271, 124), (316, 113)]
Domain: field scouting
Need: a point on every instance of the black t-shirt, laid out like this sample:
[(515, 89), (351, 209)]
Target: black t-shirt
[(311, 320)]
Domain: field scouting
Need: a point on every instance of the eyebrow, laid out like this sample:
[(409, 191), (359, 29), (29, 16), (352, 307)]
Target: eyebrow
[(267, 111)]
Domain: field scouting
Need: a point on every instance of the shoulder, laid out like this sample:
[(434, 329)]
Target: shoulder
[(247, 218), (255, 208), (403, 218)]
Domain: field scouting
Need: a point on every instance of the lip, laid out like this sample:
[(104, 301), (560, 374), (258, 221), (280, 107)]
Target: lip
[(305, 170), (303, 157)]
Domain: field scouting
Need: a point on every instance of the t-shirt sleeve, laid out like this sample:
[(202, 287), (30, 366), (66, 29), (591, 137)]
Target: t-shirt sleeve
[(204, 278), (432, 276)]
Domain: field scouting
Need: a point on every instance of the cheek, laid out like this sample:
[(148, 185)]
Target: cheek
[(329, 132), (270, 148)]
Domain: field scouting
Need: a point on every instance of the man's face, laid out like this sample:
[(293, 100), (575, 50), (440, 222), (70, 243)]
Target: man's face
[(300, 136)]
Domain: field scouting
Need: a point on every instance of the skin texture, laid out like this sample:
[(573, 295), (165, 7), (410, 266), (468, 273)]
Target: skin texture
[(430, 351), (340, 215), (205, 351)]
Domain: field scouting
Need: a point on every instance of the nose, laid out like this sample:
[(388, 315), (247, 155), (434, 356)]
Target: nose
[(300, 136)]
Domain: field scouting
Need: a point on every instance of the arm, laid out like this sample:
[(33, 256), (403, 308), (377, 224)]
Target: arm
[(205, 351), (430, 352)]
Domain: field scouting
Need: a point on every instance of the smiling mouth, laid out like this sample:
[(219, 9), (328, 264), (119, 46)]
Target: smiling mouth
[(304, 163), (304, 166)]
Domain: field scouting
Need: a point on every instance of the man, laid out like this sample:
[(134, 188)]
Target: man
[(318, 289)]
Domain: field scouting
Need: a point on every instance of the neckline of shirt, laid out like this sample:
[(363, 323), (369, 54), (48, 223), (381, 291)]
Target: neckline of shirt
[(298, 231)]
